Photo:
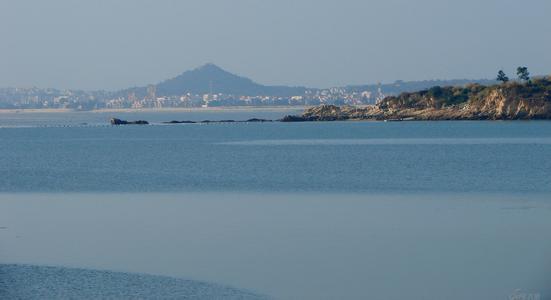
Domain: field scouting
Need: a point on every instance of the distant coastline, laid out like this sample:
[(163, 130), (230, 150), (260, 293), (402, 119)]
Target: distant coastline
[(211, 86), (167, 109), (35, 110), (526, 99)]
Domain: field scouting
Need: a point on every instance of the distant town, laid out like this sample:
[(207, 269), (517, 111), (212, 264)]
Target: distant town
[(21, 98), (208, 86)]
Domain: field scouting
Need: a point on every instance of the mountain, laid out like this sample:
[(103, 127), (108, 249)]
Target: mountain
[(211, 78)]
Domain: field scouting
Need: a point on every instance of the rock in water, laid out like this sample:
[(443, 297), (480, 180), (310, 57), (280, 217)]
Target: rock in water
[(291, 118), (115, 121), (180, 122), (258, 120)]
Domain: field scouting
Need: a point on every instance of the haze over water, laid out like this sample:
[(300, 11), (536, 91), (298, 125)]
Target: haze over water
[(352, 210)]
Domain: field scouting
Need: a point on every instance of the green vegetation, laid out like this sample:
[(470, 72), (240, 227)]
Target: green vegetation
[(502, 77), (538, 89), (523, 74), (435, 97)]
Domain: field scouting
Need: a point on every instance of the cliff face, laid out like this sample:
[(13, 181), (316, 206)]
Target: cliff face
[(511, 101), (504, 104)]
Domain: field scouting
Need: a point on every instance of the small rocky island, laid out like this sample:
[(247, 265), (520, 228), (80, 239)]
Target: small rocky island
[(508, 101), (115, 121)]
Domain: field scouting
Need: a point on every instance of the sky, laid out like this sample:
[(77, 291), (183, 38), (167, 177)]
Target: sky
[(108, 44)]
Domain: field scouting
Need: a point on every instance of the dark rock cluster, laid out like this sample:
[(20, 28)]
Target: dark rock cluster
[(115, 121)]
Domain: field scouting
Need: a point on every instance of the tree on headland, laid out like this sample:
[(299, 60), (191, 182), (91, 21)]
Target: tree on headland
[(523, 74), (502, 77)]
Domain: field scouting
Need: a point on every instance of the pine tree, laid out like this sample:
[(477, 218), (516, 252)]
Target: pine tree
[(502, 77), (523, 73)]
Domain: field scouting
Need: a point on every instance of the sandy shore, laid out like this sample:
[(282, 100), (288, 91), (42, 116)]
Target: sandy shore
[(35, 110)]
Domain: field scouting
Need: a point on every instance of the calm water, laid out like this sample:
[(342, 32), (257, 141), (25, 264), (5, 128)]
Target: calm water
[(354, 210), (101, 118), (397, 157)]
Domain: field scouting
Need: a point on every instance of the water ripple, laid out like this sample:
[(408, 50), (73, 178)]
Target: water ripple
[(39, 282), (394, 141)]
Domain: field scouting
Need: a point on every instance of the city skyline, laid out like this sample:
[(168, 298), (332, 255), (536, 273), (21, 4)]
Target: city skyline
[(210, 85)]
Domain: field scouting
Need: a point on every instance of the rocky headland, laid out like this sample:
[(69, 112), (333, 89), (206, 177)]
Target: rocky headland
[(510, 101)]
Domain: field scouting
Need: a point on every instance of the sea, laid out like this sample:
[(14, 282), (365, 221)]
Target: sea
[(272, 210)]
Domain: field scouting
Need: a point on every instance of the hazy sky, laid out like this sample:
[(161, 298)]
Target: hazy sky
[(113, 44)]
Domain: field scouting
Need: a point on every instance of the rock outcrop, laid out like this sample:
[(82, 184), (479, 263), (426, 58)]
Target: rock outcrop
[(253, 120), (115, 121)]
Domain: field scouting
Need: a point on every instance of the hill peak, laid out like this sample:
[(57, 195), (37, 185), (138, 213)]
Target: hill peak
[(210, 78), (210, 67)]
